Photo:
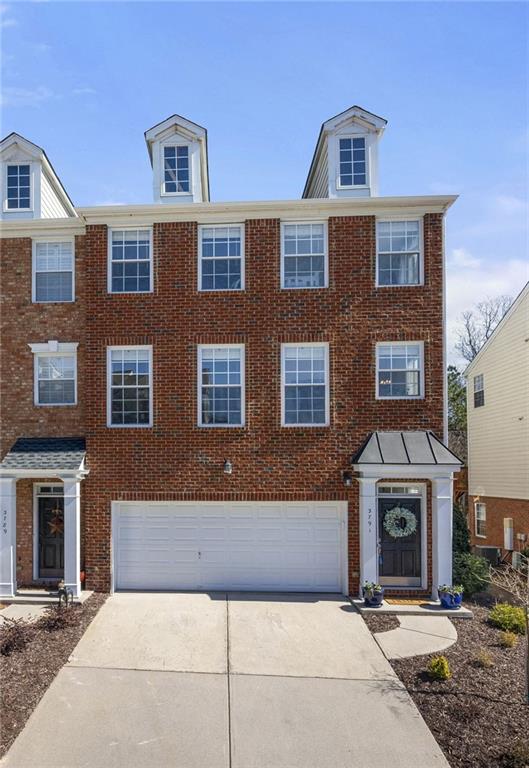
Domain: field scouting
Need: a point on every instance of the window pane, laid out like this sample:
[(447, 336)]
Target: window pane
[(130, 386), (56, 379), (130, 261), (304, 378), (399, 370), (218, 271), (398, 252), (303, 256), (221, 385), (176, 169)]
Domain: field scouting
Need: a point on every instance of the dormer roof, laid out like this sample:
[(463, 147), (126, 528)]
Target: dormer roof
[(179, 126), (8, 150)]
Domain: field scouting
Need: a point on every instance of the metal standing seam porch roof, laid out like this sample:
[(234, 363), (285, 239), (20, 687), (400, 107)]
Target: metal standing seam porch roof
[(45, 453), (406, 448)]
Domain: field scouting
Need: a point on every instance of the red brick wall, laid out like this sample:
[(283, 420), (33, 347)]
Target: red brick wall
[(497, 509)]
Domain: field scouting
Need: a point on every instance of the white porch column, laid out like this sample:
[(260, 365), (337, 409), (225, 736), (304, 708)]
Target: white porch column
[(72, 534), (368, 530), (8, 536), (442, 507)]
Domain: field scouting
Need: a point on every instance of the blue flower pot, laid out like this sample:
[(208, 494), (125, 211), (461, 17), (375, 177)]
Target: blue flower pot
[(374, 600), (450, 602)]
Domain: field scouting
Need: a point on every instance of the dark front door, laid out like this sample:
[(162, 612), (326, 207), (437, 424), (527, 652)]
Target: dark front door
[(399, 531), (51, 537)]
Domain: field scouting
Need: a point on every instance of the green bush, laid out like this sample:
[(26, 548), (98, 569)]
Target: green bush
[(471, 571), (510, 618), (439, 668), (460, 532)]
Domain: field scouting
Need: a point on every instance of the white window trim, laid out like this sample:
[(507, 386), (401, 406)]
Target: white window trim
[(109, 374), (365, 136), (34, 242), (172, 143), (289, 345), (31, 187), (200, 349), (420, 396), (109, 260), (476, 505), (52, 349), (420, 219), (325, 257), (199, 271)]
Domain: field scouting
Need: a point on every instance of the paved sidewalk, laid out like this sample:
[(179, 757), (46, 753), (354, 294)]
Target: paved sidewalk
[(417, 636)]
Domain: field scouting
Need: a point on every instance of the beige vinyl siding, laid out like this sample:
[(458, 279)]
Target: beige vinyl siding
[(498, 431), (320, 184), (51, 206)]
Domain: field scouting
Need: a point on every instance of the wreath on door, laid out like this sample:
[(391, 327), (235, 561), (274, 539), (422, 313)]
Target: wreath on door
[(400, 522)]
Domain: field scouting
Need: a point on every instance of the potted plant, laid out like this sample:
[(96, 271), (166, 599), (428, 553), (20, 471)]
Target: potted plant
[(373, 594), (451, 596)]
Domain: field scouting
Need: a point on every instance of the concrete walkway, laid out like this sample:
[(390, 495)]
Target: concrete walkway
[(417, 636), (226, 681)]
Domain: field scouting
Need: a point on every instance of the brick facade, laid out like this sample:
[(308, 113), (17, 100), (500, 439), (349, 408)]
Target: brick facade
[(176, 459), (497, 510)]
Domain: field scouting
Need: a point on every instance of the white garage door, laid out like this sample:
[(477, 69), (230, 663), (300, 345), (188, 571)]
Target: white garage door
[(237, 545)]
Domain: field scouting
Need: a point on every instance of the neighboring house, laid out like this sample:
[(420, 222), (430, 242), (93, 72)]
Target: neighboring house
[(498, 434), (201, 395)]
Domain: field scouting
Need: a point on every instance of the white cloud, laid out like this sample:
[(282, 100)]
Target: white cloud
[(509, 205), (25, 97), (461, 258)]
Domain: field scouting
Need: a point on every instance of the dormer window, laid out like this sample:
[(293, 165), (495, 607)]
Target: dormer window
[(353, 163), (18, 195), (176, 169)]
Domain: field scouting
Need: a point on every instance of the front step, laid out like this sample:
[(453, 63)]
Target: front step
[(40, 597)]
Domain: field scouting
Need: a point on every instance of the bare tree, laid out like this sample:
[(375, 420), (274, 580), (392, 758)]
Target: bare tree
[(477, 325)]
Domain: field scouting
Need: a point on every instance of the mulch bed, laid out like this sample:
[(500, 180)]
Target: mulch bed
[(477, 716), (381, 622), (26, 674)]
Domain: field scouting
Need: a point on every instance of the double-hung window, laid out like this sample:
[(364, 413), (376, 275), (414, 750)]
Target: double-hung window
[(55, 373), (221, 258), (479, 391), (303, 256), (305, 384), (400, 370), (53, 271), (221, 385), (176, 169), (130, 261), (399, 252), (18, 192), (352, 161), (480, 511), (129, 371)]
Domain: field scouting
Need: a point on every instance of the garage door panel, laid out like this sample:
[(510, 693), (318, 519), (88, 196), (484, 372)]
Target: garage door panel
[(253, 546)]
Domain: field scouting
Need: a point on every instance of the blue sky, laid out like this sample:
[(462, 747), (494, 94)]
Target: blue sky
[(85, 80)]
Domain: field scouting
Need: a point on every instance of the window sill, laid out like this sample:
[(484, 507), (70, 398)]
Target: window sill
[(221, 290), (399, 285), (56, 301), (400, 397), (129, 293), (129, 426), (480, 536), (304, 287), (54, 405)]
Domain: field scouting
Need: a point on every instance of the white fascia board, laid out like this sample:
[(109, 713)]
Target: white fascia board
[(79, 474), (27, 146), (43, 228), (406, 471)]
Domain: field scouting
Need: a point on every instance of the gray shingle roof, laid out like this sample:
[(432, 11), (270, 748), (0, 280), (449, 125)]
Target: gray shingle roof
[(404, 448), (45, 453)]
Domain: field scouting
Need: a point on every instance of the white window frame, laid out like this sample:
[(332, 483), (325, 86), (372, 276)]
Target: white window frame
[(31, 187), (366, 138), (420, 396), (125, 347), (284, 287), (476, 391), (35, 241), (172, 143), (419, 219), (200, 349), (482, 519), (53, 349), (289, 345), (242, 257), (109, 260)]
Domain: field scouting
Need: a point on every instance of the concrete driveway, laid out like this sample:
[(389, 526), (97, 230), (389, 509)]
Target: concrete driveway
[(221, 680)]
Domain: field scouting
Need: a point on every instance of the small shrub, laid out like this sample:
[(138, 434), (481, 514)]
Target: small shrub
[(15, 634), (508, 639), (471, 571), (484, 659), (56, 618), (510, 618), (439, 668), (517, 757)]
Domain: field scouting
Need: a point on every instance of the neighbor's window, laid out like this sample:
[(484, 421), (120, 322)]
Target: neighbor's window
[(398, 252), (18, 187), (221, 386), (176, 169), (55, 379), (130, 261), (53, 271), (130, 384), (353, 170), (399, 370), (481, 518), (479, 391), (221, 258), (304, 256), (305, 381)]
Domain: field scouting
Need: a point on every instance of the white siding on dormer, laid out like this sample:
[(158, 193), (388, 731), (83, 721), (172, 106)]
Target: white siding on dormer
[(320, 184), (51, 206)]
